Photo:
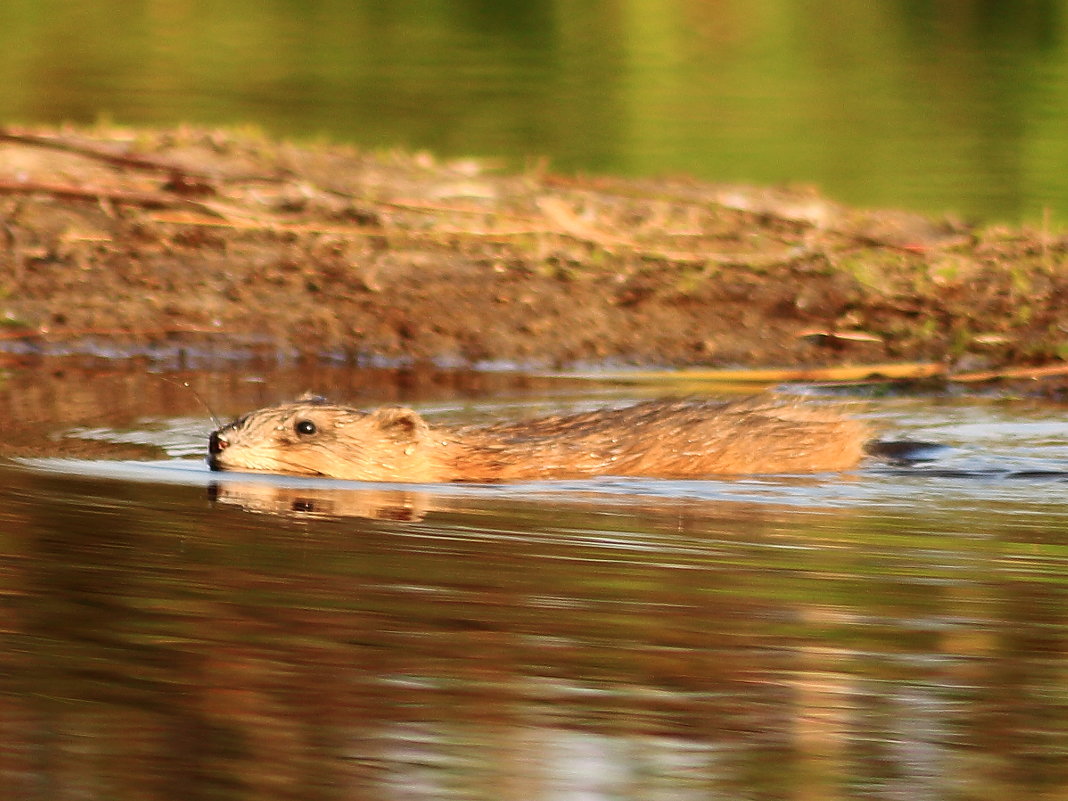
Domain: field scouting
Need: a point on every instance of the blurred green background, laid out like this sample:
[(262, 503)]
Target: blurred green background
[(956, 106)]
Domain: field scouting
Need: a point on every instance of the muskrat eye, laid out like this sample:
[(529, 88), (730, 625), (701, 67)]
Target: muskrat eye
[(305, 427)]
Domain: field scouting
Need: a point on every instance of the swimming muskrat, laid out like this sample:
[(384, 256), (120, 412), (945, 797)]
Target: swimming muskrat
[(665, 438)]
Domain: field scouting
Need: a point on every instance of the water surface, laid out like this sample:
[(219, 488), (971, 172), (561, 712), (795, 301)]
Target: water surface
[(170, 632)]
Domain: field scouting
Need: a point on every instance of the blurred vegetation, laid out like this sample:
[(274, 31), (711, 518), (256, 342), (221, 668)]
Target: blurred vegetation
[(931, 105)]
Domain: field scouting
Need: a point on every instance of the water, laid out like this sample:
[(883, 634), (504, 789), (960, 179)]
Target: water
[(170, 632), (941, 107)]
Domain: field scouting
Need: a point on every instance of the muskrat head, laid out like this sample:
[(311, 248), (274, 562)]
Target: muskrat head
[(312, 437)]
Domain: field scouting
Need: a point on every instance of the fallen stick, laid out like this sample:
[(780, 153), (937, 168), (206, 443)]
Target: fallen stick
[(867, 372), (859, 374), (143, 199), (100, 154), (1012, 372)]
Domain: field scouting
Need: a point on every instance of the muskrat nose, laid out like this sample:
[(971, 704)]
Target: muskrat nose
[(216, 444)]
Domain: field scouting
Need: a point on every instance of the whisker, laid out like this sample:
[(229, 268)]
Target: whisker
[(200, 400)]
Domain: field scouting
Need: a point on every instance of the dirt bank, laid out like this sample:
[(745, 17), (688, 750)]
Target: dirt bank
[(225, 240)]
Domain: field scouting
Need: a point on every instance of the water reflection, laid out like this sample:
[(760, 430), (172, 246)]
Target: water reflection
[(140, 409), (152, 642), (881, 634), (327, 502)]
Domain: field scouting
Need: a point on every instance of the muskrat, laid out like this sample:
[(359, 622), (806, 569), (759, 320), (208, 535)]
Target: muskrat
[(665, 438)]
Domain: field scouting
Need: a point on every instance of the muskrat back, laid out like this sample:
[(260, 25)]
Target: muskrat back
[(664, 438)]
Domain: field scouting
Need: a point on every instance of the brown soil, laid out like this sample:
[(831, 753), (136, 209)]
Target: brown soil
[(226, 240)]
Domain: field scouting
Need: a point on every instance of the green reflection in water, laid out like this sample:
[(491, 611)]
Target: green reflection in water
[(632, 650), (957, 107)]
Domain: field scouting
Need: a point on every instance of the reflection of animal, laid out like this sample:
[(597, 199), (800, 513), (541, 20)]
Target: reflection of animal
[(657, 438), (309, 502)]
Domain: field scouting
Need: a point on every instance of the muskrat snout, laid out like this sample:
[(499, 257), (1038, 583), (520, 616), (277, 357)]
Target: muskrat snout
[(216, 445)]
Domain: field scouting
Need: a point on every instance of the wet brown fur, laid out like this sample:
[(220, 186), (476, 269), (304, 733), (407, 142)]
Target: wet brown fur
[(666, 438)]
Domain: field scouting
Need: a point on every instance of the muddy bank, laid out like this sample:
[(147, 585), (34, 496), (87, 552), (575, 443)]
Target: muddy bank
[(222, 241)]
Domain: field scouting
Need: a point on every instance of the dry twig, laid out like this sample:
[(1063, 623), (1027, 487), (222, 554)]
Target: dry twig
[(107, 156), (148, 200)]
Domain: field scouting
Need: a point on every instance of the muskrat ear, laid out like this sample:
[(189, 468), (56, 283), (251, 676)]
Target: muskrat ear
[(402, 422)]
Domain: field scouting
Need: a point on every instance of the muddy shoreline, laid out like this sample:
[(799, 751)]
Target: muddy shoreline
[(218, 242)]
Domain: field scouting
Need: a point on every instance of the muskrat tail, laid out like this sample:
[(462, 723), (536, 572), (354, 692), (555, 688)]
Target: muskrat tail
[(904, 451), (200, 400)]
